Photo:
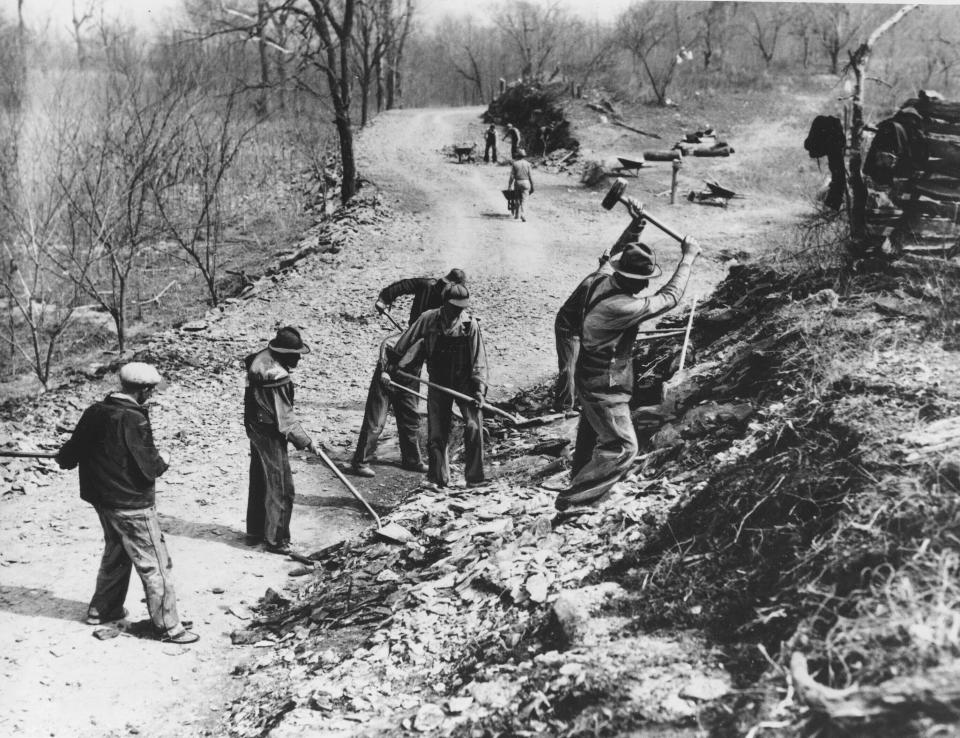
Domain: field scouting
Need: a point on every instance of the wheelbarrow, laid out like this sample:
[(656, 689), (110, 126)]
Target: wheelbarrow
[(465, 152), (513, 201), (630, 165)]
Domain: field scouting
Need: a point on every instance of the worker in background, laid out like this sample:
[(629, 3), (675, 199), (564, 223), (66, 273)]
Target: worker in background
[(119, 464), (512, 135), (427, 295), (613, 309), (490, 139), (271, 423), (521, 182), (449, 339)]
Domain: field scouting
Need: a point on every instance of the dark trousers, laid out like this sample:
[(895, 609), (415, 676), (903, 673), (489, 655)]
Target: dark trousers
[(564, 389), (270, 498), (491, 147), (132, 539), (439, 420), (379, 400)]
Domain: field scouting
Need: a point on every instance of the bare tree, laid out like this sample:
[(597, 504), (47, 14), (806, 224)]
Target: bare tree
[(397, 17), (370, 43), (79, 18), (533, 31), (658, 38), (837, 25), (188, 198), (715, 27), (764, 25)]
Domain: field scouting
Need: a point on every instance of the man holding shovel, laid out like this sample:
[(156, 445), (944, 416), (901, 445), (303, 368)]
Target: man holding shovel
[(119, 464), (427, 295), (271, 423), (449, 339), (612, 312)]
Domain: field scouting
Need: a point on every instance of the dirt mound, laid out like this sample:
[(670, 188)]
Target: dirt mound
[(537, 110)]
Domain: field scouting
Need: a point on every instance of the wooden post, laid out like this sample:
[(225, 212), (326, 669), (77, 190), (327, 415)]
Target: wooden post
[(673, 181), (503, 85)]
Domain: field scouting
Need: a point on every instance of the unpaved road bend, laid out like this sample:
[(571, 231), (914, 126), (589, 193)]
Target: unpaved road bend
[(55, 678)]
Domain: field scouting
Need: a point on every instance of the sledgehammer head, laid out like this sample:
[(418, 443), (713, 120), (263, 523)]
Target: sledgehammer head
[(615, 194)]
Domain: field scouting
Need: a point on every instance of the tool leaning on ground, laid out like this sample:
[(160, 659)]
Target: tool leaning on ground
[(517, 420), (393, 532)]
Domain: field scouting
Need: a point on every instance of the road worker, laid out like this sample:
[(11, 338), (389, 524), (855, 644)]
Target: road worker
[(512, 135), (119, 464), (490, 139), (613, 309), (427, 295), (271, 423), (521, 182), (450, 340)]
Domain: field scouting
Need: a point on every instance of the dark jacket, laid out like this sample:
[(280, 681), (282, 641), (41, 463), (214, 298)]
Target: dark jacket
[(268, 400), (570, 313), (427, 294), (113, 445)]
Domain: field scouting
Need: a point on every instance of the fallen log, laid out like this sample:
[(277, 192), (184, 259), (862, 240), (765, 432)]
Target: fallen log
[(935, 693), (662, 155), (635, 130)]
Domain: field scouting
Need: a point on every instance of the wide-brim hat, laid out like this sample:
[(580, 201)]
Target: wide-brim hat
[(457, 295), (288, 341), (636, 261)]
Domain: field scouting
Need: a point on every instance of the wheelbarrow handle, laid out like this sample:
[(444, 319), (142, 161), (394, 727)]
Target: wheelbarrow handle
[(30, 454), (460, 396), (353, 490)]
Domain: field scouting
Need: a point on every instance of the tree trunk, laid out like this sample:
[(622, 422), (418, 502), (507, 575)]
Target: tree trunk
[(378, 73), (262, 105), (348, 188)]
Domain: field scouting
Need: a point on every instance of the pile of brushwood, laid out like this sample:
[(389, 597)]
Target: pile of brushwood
[(785, 555), (537, 110)]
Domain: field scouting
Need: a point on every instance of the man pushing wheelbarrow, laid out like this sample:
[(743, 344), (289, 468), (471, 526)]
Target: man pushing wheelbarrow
[(521, 184)]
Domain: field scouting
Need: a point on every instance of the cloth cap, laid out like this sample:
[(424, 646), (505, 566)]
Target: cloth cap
[(456, 276), (140, 374), (457, 295), (521, 153), (288, 341), (636, 261)]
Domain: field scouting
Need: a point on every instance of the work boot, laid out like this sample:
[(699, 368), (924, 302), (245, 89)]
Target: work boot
[(362, 470), (416, 466), (95, 618)]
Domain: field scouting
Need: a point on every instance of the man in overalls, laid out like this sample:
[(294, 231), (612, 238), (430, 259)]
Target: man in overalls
[(450, 340), (427, 294), (606, 443), (490, 141)]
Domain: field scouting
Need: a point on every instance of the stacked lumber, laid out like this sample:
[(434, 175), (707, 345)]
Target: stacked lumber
[(923, 214)]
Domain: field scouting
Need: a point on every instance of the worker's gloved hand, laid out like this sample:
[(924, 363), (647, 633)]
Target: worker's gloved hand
[(690, 246), (478, 399), (380, 306), (312, 448), (385, 379)]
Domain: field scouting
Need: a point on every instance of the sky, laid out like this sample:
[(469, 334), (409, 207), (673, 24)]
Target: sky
[(144, 13)]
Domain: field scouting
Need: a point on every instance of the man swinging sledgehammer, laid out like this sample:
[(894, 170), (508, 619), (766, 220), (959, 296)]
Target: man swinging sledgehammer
[(613, 310)]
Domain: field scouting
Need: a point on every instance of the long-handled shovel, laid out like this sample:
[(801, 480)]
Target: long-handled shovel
[(456, 411), (393, 532), (392, 320), (517, 420), (30, 454)]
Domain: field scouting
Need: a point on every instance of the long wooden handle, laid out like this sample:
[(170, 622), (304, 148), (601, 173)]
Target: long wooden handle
[(353, 490), (666, 229), (408, 390), (686, 338), (460, 396), (392, 320), (30, 454)]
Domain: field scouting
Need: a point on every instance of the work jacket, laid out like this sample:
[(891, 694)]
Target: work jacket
[(113, 446), (268, 400), (611, 318), (455, 354), (427, 294)]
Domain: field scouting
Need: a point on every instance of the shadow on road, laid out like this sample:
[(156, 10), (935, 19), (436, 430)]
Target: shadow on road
[(33, 601), (203, 531), (496, 216)]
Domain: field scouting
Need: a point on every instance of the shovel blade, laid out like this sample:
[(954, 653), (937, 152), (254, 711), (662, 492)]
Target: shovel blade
[(395, 533)]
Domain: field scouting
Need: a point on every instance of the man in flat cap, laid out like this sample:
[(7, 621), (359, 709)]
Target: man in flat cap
[(271, 423), (427, 295), (449, 339), (119, 464), (613, 309)]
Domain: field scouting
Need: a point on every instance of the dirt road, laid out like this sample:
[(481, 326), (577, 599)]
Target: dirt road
[(55, 678)]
